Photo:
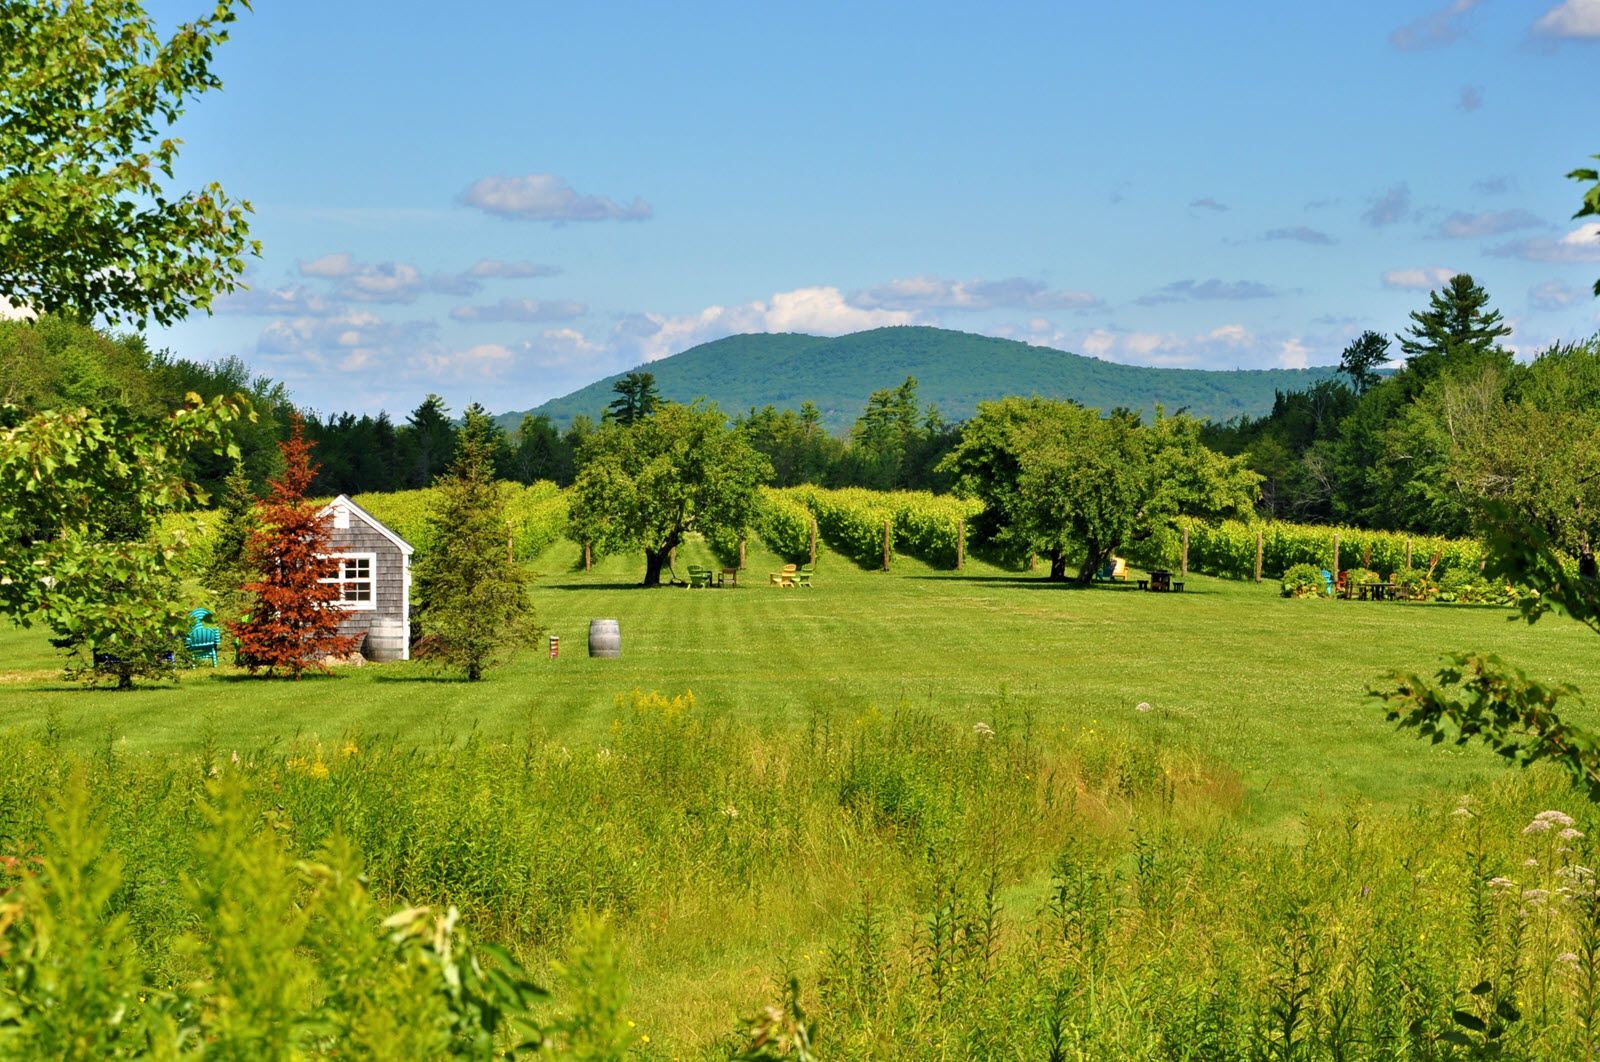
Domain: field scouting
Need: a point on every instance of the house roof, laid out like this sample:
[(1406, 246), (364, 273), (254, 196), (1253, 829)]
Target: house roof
[(371, 521)]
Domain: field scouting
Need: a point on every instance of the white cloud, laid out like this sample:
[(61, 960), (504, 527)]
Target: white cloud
[(350, 340), (1461, 225), (815, 311), (928, 292), (481, 360), (1294, 354), (524, 310), (1225, 344), (546, 197), (1582, 244), (1434, 29), (1423, 277), (297, 300), (1184, 290), (488, 268), (329, 265), (1301, 234), (1573, 18), (1552, 295)]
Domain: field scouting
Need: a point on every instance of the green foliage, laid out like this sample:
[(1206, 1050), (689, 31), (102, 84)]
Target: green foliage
[(537, 515), (87, 91), (474, 596), (852, 520), (1056, 478), (1417, 583), (636, 399), (1591, 199), (278, 957), (1228, 549), (1304, 580), (648, 484), (1362, 359), (1457, 332), (82, 496)]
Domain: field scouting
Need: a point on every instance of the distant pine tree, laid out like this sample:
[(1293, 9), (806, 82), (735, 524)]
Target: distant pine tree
[(1457, 329), (636, 399), (292, 623), (474, 596)]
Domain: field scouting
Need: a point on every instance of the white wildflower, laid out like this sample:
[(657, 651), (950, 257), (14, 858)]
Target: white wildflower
[(1142, 706), (1530, 862), (1567, 957), (1535, 897), (1463, 812), (1559, 818), (983, 729), (1571, 834), (1537, 826), (731, 811), (1501, 883)]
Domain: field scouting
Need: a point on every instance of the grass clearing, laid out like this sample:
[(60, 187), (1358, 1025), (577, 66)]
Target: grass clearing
[(1273, 688)]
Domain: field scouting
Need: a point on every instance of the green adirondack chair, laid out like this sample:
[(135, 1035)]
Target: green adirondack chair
[(803, 576), (204, 637), (699, 578)]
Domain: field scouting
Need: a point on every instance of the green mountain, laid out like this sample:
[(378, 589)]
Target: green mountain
[(954, 370)]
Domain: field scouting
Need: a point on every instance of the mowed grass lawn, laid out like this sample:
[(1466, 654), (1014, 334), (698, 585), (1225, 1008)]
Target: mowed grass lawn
[(1274, 688)]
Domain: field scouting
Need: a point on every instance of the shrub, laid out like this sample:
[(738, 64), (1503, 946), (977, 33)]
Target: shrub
[(1304, 580), (1416, 584), (1357, 576)]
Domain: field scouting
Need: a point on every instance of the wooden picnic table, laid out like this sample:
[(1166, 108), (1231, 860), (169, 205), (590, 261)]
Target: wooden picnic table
[(1377, 591)]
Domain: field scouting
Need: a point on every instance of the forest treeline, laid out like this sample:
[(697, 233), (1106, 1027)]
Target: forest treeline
[(1416, 431)]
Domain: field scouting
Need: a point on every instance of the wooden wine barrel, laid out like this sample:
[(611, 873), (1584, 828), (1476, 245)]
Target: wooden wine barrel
[(605, 638), (386, 641)]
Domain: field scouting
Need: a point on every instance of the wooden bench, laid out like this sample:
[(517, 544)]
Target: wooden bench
[(785, 577), (728, 577)]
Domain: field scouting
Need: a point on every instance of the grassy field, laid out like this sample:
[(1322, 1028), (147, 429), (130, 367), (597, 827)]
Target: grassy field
[(1273, 688), (1075, 876)]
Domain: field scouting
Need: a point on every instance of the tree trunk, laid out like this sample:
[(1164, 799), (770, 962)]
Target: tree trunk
[(1058, 565), (1098, 555), (654, 561)]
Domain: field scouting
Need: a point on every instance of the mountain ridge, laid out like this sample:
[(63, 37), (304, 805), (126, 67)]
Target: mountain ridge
[(954, 371)]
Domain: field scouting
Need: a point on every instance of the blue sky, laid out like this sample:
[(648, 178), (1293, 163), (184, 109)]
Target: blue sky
[(504, 201)]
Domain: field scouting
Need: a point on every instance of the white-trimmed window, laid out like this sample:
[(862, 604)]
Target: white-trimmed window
[(357, 580)]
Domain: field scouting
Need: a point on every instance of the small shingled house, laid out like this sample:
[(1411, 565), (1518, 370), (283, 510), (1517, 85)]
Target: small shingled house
[(374, 580)]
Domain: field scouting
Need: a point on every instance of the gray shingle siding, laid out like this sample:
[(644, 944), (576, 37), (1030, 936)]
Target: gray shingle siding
[(391, 573)]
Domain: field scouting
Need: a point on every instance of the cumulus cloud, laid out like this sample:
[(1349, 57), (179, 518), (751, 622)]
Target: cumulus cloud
[(1461, 225), (1293, 354), (493, 268), (1391, 206), (1301, 234), (1571, 19), (1582, 244), (1209, 203), (391, 282), (1224, 344), (1187, 290), (815, 311), (349, 340), (477, 361), (1552, 295), (525, 310), (1426, 277), (1469, 99), (546, 197), (1434, 29), (927, 292), (295, 300)]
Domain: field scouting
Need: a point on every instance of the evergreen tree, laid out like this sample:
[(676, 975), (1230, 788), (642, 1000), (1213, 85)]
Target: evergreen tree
[(293, 620), (1456, 330), (228, 568), (430, 441), (636, 399), (474, 597), (1363, 358)]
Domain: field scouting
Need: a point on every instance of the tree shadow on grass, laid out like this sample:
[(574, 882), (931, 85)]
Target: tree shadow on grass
[(438, 680), (608, 586), (308, 676)]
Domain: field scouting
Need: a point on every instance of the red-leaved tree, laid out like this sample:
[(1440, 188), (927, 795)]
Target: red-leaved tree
[(293, 620)]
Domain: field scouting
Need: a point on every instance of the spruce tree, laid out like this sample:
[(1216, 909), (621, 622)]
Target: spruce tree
[(474, 596), (293, 622), (1455, 331)]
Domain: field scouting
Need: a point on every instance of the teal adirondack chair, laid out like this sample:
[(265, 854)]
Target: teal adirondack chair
[(204, 636)]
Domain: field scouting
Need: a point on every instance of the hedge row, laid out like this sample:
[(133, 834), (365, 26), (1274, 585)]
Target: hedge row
[(923, 525)]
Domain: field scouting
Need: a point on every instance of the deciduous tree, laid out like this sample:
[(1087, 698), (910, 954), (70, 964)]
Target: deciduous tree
[(294, 618), (1591, 200), (81, 544), (87, 225), (648, 484)]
